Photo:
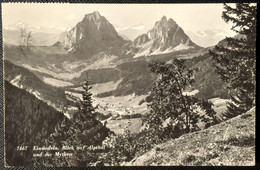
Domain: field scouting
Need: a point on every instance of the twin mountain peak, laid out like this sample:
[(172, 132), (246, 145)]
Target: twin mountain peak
[(95, 34)]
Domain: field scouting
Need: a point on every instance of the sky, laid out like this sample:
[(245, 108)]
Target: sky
[(191, 17)]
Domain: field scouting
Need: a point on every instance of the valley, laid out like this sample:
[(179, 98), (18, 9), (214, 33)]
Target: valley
[(153, 99), (120, 80)]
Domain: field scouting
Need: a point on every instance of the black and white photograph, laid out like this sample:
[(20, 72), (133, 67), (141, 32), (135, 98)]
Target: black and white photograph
[(129, 84)]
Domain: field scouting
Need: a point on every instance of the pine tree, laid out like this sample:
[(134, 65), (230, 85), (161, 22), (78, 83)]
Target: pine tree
[(87, 130), (235, 61), (81, 131)]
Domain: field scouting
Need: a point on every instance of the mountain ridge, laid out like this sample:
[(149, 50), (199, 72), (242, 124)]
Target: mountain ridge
[(165, 37), (91, 35), (94, 33)]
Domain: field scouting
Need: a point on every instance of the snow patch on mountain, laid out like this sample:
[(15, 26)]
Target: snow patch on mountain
[(56, 82), (182, 47), (16, 81), (147, 51)]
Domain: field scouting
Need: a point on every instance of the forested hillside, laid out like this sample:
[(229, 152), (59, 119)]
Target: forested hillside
[(28, 122), (206, 79)]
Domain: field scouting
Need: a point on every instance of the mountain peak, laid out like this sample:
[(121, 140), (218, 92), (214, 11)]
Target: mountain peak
[(95, 13), (93, 16), (164, 18), (165, 37), (91, 35)]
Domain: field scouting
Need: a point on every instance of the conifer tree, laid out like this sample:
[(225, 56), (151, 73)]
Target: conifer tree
[(61, 134), (81, 131), (84, 119), (235, 60), (86, 130)]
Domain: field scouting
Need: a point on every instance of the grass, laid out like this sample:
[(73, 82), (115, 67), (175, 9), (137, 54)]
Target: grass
[(230, 143)]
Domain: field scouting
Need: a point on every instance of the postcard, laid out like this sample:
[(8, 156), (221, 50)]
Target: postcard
[(129, 84)]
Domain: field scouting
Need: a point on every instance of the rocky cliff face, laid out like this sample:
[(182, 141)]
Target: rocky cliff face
[(93, 34), (140, 40), (166, 36)]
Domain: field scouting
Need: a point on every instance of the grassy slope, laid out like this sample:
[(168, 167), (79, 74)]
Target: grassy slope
[(229, 143)]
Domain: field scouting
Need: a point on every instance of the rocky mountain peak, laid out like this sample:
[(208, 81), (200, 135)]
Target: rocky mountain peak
[(166, 36), (165, 22), (142, 39), (94, 16), (91, 35), (163, 19), (162, 27)]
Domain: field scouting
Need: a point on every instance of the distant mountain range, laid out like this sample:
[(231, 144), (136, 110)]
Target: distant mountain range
[(207, 38), (94, 29), (93, 46), (49, 35), (41, 36), (94, 34)]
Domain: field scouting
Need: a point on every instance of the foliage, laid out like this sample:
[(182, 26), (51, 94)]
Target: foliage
[(240, 103), (124, 147), (121, 148), (172, 112), (235, 61), (82, 131)]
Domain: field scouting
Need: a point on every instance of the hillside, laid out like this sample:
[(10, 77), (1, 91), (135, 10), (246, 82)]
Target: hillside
[(28, 122), (230, 143), (25, 79), (207, 82)]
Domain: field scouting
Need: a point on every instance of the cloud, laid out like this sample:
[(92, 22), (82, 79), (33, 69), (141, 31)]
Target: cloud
[(139, 27), (122, 28)]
